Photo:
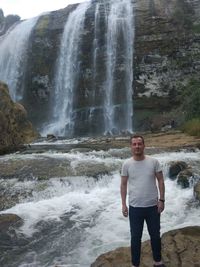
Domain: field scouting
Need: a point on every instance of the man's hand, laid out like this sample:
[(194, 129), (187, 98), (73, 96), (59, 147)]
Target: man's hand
[(161, 206), (125, 211)]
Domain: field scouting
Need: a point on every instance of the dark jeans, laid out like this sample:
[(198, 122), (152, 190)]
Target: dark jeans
[(137, 216)]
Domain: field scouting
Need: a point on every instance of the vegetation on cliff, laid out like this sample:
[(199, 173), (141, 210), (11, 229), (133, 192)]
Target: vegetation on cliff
[(191, 107)]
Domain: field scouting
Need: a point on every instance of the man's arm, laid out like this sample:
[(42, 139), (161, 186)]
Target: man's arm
[(123, 189), (161, 187)]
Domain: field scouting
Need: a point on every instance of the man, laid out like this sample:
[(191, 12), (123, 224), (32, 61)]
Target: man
[(140, 173)]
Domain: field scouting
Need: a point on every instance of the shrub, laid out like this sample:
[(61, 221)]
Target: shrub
[(192, 127), (191, 99)]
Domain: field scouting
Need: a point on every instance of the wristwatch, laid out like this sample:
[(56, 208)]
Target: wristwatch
[(162, 200)]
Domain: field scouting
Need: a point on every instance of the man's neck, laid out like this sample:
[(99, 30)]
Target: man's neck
[(139, 157)]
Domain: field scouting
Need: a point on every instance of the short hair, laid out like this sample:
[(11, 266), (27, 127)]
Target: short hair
[(137, 136)]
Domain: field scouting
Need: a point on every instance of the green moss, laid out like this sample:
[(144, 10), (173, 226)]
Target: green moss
[(196, 28), (192, 127), (42, 25)]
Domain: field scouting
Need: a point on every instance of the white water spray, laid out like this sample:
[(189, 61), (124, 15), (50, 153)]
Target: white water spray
[(120, 26), (93, 209), (13, 53), (67, 72)]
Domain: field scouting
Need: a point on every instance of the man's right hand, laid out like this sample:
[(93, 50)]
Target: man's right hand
[(125, 211)]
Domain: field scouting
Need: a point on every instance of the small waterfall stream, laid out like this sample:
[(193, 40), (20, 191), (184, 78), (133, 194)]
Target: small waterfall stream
[(13, 53), (120, 39), (67, 72)]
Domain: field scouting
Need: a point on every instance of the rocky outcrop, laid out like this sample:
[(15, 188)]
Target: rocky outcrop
[(15, 129), (184, 177), (7, 22), (176, 167), (167, 50), (180, 248)]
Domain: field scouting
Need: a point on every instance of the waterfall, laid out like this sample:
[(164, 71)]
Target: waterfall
[(95, 48), (67, 72), (13, 52), (94, 72), (120, 38)]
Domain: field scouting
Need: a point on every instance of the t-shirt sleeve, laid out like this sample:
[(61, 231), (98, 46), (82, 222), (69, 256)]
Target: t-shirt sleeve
[(124, 170), (158, 167)]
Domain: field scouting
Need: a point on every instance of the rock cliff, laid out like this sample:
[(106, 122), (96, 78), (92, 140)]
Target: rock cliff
[(181, 248), (167, 51), (15, 129), (166, 56)]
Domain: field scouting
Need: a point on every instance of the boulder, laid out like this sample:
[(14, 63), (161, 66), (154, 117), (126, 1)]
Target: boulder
[(8, 220), (181, 248), (176, 167), (197, 191), (183, 178), (15, 128), (10, 238)]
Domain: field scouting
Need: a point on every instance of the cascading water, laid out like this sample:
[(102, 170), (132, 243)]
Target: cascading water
[(95, 48), (13, 53), (67, 73), (93, 80), (69, 221), (120, 39)]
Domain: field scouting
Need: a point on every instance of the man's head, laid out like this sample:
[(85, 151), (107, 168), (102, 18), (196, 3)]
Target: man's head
[(137, 145)]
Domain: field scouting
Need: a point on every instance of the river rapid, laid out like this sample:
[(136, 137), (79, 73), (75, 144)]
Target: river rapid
[(70, 220)]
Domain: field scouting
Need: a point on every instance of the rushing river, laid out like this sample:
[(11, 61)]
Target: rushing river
[(70, 220)]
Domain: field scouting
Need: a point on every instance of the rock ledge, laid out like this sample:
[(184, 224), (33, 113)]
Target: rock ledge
[(181, 248)]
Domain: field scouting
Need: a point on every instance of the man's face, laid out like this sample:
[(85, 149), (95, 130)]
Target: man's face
[(137, 146)]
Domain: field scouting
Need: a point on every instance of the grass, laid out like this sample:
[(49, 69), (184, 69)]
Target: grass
[(192, 127)]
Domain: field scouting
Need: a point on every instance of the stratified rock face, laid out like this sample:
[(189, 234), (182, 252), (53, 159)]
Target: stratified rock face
[(15, 129), (167, 51), (181, 248)]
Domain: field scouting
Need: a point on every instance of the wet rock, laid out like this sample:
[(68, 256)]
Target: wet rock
[(176, 167), (180, 248), (51, 137), (9, 220), (15, 128), (93, 169), (9, 197), (10, 239), (197, 191), (41, 167), (184, 177)]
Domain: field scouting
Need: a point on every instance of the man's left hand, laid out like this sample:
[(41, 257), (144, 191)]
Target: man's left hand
[(161, 206)]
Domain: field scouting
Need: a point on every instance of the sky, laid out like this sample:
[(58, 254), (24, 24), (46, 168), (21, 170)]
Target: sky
[(31, 8)]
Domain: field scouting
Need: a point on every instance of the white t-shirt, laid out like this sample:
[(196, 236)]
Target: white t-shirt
[(142, 187)]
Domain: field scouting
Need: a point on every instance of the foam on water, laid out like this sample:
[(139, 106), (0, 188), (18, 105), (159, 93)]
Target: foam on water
[(94, 207)]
